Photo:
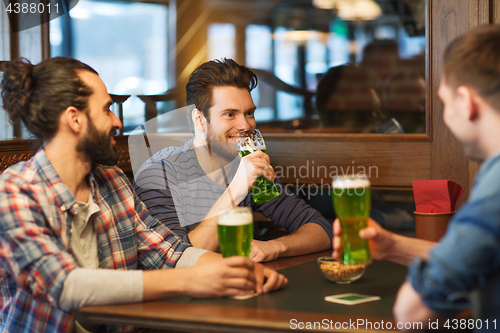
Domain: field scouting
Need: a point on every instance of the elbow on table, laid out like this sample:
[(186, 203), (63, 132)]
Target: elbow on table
[(409, 308), (405, 315)]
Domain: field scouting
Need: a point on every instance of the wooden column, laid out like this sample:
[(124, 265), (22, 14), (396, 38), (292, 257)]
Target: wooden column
[(240, 41), (191, 48), (14, 54), (450, 18)]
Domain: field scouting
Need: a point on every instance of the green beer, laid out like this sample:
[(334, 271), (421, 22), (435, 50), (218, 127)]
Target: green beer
[(263, 190), (352, 203), (235, 232)]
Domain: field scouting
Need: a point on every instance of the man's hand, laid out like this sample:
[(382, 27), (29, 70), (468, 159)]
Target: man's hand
[(233, 276), (380, 241), (264, 251), (252, 166), (219, 278), (268, 279)]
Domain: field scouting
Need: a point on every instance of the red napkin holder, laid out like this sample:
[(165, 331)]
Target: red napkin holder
[(435, 202), (436, 196)]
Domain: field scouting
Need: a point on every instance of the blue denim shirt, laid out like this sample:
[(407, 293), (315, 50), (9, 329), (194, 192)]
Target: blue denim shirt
[(464, 269)]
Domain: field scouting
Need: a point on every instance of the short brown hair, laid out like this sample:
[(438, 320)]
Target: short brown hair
[(473, 60), (216, 73)]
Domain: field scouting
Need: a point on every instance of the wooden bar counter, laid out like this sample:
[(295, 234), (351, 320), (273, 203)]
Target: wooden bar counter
[(298, 307)]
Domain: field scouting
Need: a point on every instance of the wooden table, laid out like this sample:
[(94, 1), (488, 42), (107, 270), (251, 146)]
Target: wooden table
[(300, 305)]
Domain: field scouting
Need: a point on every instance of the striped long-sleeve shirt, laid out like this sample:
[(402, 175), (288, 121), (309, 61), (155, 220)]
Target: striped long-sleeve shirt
[(36, 211), (176, 190)]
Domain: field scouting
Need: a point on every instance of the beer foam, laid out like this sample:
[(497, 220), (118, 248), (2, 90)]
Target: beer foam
[(252, 148), (235, 219), (351, 183)]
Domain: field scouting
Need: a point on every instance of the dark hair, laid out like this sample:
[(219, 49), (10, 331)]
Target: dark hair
[(346, 97), (216, 73), (327, 85), (473, 60), (38, 94)]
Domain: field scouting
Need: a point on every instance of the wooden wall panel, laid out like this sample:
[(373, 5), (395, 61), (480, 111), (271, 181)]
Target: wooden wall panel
[(391, 164), (191, 47), (495, 11), (449, 19), (488, 11), (14, 151)]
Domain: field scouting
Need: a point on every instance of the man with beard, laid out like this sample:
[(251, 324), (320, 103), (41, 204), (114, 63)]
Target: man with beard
[(463, 269), (186, 187), (72, 231)]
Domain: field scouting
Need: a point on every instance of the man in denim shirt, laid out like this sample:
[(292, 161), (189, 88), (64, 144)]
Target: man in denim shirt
[(463, 270)]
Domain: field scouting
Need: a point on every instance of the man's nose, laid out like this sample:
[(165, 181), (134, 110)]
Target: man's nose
[(115, 121), (243, 124)]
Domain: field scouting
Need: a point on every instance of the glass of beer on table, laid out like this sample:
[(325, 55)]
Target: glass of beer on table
[(235, 231), (247, 143), (352, 198)]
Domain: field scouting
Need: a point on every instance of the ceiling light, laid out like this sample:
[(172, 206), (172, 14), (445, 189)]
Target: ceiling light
[(352, 10)]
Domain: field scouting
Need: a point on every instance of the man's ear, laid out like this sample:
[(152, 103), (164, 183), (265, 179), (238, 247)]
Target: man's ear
[(199, 120), (469, 102), (73, 119)]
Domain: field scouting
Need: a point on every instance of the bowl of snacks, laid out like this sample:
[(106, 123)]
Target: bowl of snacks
[(339, 272)]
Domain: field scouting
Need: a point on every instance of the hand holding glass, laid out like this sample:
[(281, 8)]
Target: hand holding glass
[(235, 232), (352, 203), (263, 190)]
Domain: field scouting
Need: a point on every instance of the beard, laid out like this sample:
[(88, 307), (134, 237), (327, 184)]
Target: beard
[(220, 147), (96, 146)]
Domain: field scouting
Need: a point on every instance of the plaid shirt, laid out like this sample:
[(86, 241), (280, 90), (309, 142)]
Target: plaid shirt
[(36, 210)]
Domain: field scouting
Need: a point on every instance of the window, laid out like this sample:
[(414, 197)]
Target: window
[(4, 36), (221, 41), (367, 76), (130, 57), (6, 130)]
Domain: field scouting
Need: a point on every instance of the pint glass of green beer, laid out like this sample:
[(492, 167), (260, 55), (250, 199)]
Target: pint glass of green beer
[(235, 231), (263, 190), (352, 202)]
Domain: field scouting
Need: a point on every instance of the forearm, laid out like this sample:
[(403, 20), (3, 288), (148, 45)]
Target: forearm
[(405, 249), (204, 236), (190, 257), (309, 238), (209, 257), (85, 286), (175, 282), (211, 277), (164, 283)]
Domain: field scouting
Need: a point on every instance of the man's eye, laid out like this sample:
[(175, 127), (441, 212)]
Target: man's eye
[(250, 114)]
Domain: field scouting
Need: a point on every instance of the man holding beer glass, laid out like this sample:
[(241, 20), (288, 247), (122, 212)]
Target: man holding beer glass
[(463, 269), (206, 175), (72, 231)]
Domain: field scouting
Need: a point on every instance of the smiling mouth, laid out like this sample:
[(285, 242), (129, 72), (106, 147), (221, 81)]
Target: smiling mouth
[(112, 138), (232, 137)]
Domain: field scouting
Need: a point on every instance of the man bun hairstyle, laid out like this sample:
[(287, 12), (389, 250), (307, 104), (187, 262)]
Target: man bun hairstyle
[(38, 94), (473, 60), (216, 73)]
